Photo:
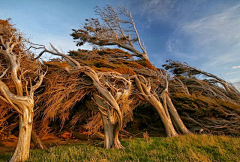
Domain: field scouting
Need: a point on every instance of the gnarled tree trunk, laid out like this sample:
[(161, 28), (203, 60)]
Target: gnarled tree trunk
[(111, 125), (170, 130), (163, 113), (25, 128), (22, 101), (176, 118)]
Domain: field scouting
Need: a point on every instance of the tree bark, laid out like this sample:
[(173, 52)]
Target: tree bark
[(111, 139), (176, 118), (111, 126), (25, 128), (170, 131), (108, 131)]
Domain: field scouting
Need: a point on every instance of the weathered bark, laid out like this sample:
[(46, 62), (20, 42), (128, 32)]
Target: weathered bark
[(176, 118), (24, 105), (111, 126), (37, 141), (22, 102), (108, 131), (25, 128), (111, 139), (170, 131), (170, 108)]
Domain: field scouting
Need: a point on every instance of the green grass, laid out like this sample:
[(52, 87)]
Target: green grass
[(182, 148)]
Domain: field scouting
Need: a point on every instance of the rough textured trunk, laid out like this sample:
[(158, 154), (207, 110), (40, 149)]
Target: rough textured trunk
[(111, 126), (37, 141), (108, 131), (25, 128), (22, 100), (170, 131), (111, 139), (176, 118)]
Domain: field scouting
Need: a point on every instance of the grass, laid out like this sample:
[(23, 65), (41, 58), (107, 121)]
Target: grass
[(182, 148)]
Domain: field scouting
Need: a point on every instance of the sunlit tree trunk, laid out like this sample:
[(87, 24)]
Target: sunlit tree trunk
[(170, 130), (110, 123), (22, 99), (25, 128), (163, 113), (176, 118)]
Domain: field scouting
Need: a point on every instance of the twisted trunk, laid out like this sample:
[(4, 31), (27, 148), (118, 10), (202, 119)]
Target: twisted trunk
[(25, 128), (111, 139), (176, 118), (111, 126), (170, 131)]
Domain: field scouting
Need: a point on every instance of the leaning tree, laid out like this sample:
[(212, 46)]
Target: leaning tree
[(206, 102), (114, 87), (20, 77), (105, 95), (113, 30)]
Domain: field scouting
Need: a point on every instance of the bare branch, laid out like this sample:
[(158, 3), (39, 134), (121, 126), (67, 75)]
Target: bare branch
[(69, 59), (37, 85), (6, 93), (112, 31), (5, 71)]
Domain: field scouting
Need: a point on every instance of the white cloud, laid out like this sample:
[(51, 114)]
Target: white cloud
[(220, 28), (214, 41), (152, 10), (236, 67), (230, 73)]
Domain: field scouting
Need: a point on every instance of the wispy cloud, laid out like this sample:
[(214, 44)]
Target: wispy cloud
[(212, 39), (230, 73), (151, 9), (219, 28), (236, 67)]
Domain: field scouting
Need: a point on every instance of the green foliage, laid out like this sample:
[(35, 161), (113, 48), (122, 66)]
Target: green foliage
[(182, 148)]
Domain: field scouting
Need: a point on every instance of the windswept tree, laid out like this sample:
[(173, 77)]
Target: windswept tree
[(116, 27), (211, 85), (20, 77), (112, 91), (207, 103), (114, 80), (110, 31), (105, 94)]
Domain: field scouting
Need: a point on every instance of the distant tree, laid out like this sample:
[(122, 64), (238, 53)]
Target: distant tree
[(112, 30), (18, 74)]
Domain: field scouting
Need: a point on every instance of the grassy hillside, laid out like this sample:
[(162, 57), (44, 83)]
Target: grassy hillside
[(182, 148)]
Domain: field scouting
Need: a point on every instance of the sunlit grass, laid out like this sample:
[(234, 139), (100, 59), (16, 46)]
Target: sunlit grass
[(182, 148)]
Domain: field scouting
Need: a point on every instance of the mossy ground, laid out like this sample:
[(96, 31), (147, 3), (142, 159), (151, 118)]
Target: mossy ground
[(182, 148)]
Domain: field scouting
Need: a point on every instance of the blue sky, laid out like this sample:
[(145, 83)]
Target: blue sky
[(203, 33)]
